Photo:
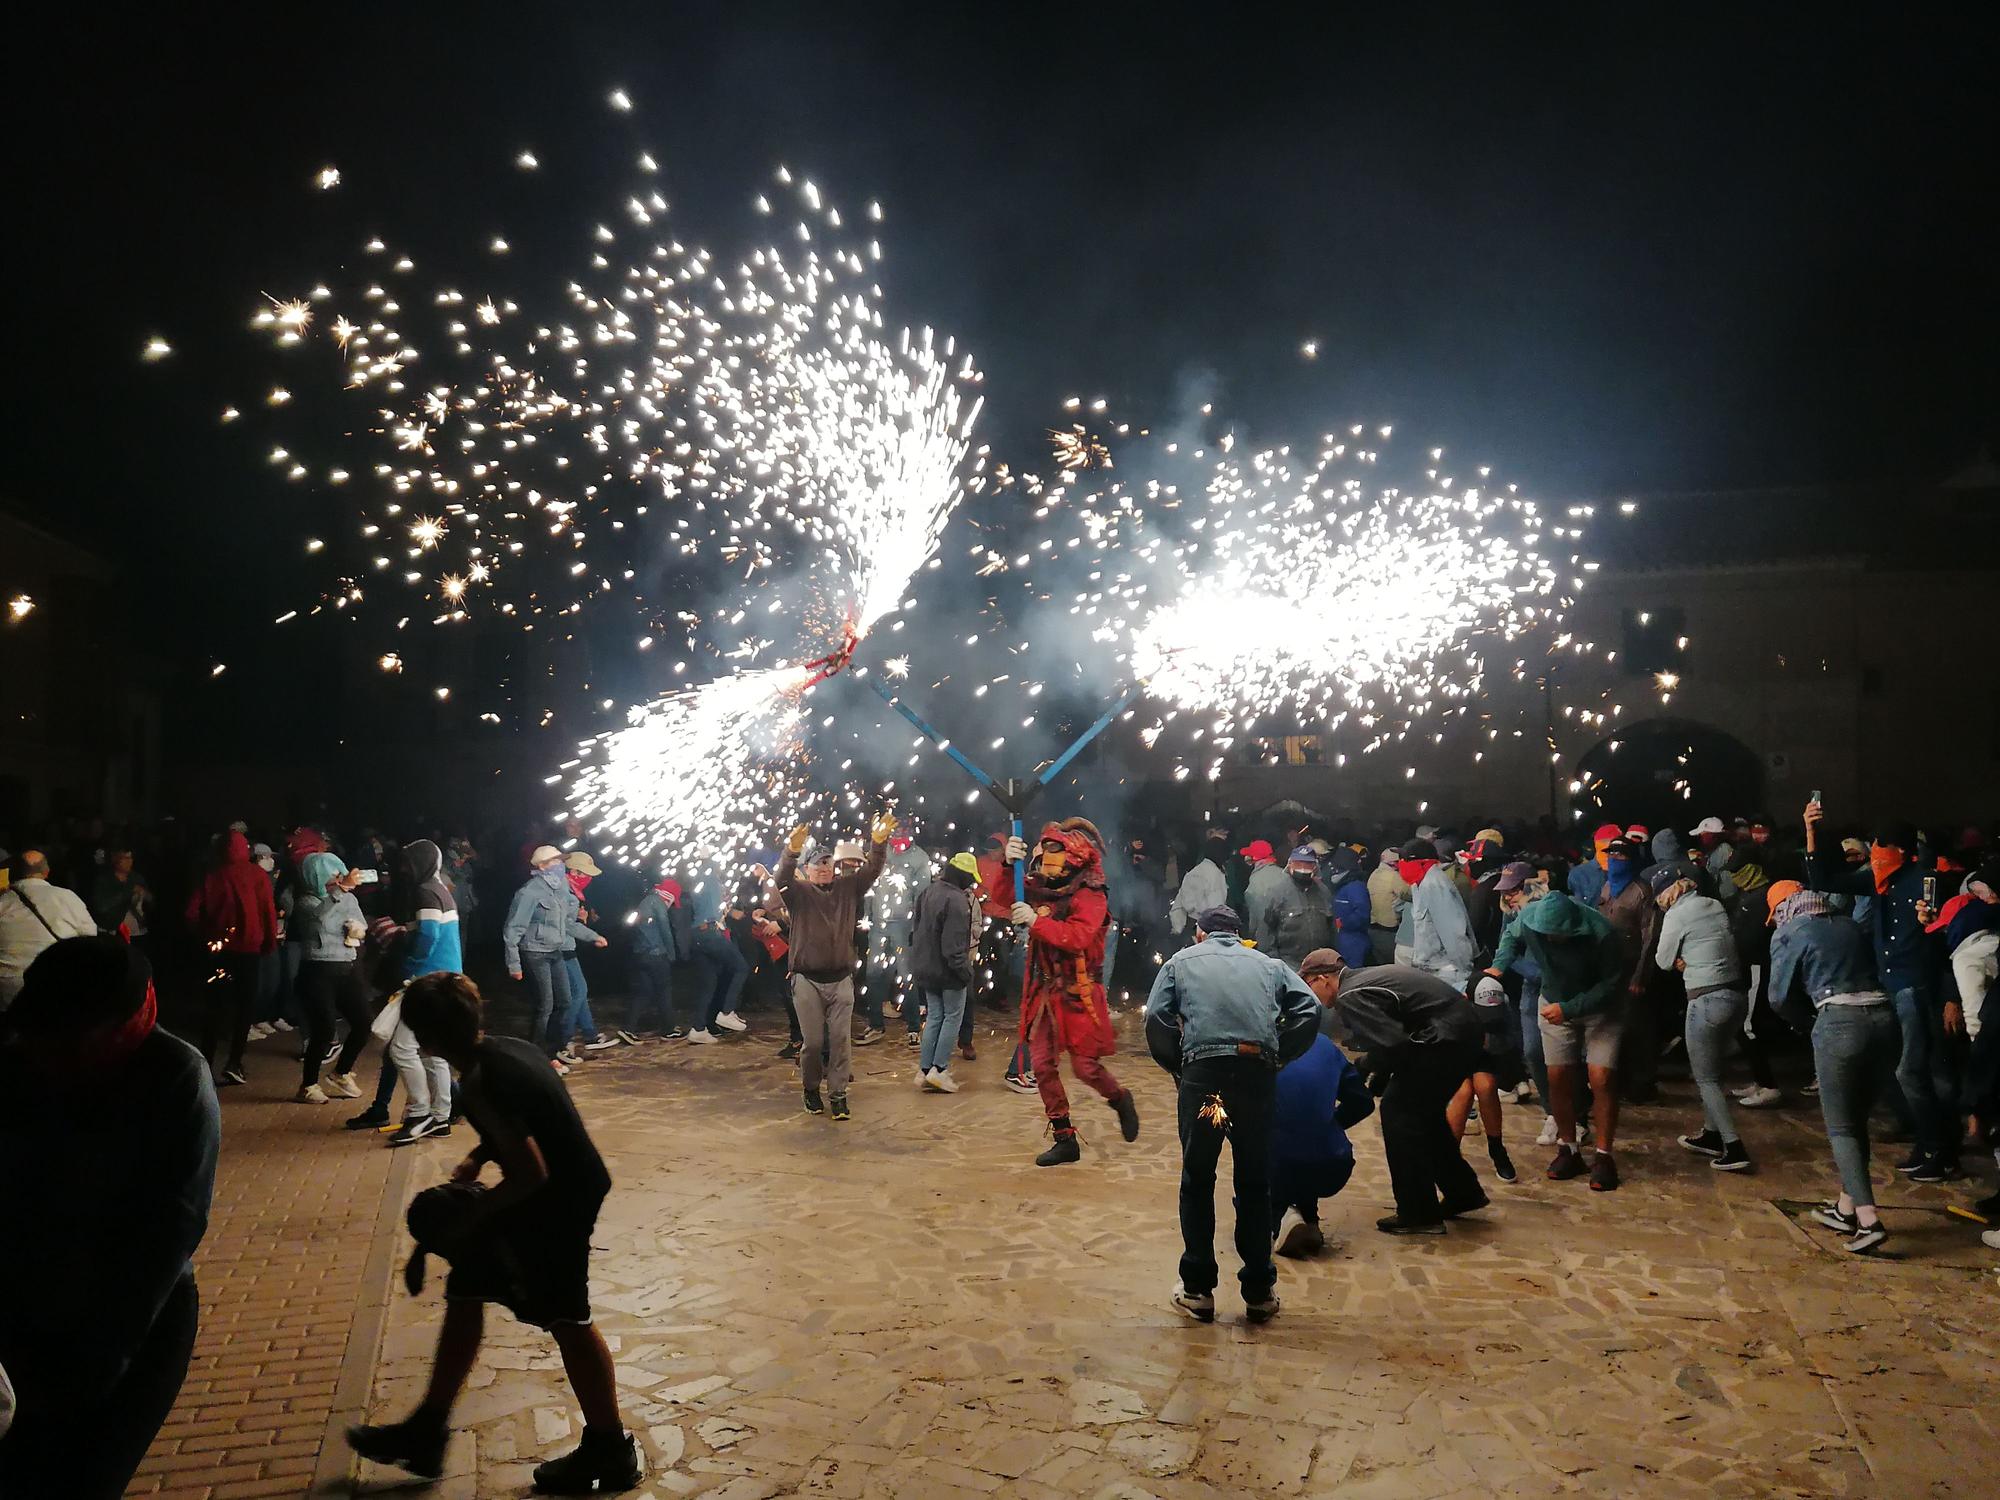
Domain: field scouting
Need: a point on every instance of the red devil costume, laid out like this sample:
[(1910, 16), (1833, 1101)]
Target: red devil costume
[(1063, 1006)]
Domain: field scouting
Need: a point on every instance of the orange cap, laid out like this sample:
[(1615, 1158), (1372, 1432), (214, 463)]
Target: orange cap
[(1780, 892)]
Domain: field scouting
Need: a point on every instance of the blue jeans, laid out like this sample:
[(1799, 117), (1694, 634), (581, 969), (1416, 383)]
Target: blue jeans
[(728, 968), (1925, 1076), (1531, 1036), (942, 1012), (549, 978), (1855, 1052), (1712, 1020), (579, 1019)]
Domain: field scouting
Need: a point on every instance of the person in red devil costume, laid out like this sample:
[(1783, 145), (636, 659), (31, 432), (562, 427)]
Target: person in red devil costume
[(1063, 1006)]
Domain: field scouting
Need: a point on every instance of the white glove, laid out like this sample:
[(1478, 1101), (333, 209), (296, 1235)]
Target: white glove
[(1024, 914), (1016, 851)]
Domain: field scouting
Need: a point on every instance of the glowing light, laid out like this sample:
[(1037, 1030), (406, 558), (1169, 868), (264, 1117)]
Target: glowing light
[(327, 178), (20, 607), (156, 349)]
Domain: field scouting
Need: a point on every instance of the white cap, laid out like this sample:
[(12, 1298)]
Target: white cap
[(1707, 825), (846, 849), (1427, 831), (1489, 991), (543, 854)]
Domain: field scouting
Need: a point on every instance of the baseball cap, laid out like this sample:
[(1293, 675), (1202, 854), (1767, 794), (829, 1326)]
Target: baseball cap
[(1219, 919), (1305, 854), (846, 849), (582, 864), (1419, 849), (1667, 872), (1639, 831), (1779, 893), (1607, 833), (1258, 849), (1491, 836), (544, 853), (1707, 825), (1321, 961), (1514, 876), (1489, 991)]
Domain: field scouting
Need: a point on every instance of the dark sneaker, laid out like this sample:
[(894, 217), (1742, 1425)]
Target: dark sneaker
[(840, 1107), (230, 1078), (869, 1037), (626, 1037), (1604, 1174), (1197, 1305), (912, 1037), (1021, 1083), (1063, 1149), (969, 1052), (790, 1051), (1397, 1224), (1503, 1164), (1262, 1310), (1469, 1206), (1568, 1163), (1128, 1115), (593, 1467), (813, 1104), (677, 1034), (1865, 1238), (1937, 1169), (1913, 1161), (416, 1445), (1733, 1158), (1706, 1143), (370, 1119), (415, 1130), (1829, 1216)]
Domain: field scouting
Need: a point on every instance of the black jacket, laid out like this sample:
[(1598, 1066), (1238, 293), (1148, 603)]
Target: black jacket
[(1391, 1009), (941, 945)]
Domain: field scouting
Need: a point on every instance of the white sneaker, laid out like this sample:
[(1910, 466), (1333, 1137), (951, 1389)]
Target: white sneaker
[(943, 1082), (730, 1021), (924, 1079), (1548, 1134), (281, 1024), (312, 1093), (703, 1037), (1298, 1236), (1759, 1098), (1991, 1239), (346, 1085), (257, 1032)]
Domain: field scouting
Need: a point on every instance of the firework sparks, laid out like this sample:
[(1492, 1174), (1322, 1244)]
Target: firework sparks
[(155, 350), (19, 608), (1213, 1115)]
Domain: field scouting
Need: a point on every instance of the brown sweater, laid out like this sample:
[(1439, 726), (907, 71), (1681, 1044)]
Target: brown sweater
[(824, 916)]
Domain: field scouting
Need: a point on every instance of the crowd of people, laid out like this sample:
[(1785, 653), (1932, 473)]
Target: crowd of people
[(1431, 978)]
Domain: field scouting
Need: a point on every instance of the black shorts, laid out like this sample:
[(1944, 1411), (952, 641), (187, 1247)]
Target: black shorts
[(539, 1268)]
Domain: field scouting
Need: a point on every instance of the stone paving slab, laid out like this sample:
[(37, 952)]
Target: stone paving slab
[(905, 1305)]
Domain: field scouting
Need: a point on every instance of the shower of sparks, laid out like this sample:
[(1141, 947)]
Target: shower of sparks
[(20, 607), (1213, 1115), (328, 177), (1077, 449)]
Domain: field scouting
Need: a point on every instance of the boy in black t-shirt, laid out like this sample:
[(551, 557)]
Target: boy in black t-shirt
[(524, 1244)]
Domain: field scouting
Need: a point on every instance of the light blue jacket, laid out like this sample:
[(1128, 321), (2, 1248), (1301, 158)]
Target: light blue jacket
[(319, 925), (1222, 994), (1441, 932), (1824, 956), (542, 918), (1695, 929)]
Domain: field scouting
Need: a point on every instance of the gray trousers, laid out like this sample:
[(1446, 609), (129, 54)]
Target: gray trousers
[(826, 1018)]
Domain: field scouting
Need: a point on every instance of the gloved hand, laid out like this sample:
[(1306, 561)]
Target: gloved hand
[(1016, 851), (796, 844), (882, 827), (1024, 914)]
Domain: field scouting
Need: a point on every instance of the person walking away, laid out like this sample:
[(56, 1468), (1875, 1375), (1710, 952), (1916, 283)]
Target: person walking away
[(1746, 895), (331, 981), (1822, 965), (1582, 966), (1351, 906), (1297, 920), (1063, 1006), (552, 1185), (34, 916), (1422, 1040), (824, 909), (1904, 962), (654, 949), (941, 966), (725, 969), (432, 944), (891, 903), (1695, 940), (108, 1140), (1265, 883), (1388, 895), (235, 914), (1626, 902), (541, 919), (1229, 1003), (1320, 1097), (1441, 940), (579, 1034), (1205, 885)]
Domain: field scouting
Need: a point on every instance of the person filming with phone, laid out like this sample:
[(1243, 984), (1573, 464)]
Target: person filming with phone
[(1932, 1032)]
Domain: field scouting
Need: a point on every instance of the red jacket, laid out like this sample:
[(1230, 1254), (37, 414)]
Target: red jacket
[(1065, 957), (234, 910)]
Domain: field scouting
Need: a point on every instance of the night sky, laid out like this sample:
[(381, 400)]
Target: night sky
[(1613, 253)]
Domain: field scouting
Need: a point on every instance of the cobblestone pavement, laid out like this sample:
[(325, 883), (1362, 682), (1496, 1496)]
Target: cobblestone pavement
[(905, 1305), (284, 1276)]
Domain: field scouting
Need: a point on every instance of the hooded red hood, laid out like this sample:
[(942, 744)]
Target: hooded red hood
[(235, 849), (669, 889)]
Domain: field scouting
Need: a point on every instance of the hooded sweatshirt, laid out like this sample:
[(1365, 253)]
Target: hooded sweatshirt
[(321, 918), (1580, 956), (234, 906), (434, 946)]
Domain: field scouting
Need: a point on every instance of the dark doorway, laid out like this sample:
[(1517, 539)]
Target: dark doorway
[(1667, 773)]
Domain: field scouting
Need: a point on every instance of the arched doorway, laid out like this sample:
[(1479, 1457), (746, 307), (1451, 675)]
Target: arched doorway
[(1667, 773)]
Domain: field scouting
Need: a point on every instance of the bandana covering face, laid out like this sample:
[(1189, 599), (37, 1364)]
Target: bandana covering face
[(1617, 875), (1413, 871), (1884, 860)]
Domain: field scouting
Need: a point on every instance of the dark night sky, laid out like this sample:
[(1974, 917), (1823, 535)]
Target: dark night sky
[(1613, 252)]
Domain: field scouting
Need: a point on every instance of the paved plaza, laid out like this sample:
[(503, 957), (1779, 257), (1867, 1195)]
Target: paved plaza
[(905, 1306)]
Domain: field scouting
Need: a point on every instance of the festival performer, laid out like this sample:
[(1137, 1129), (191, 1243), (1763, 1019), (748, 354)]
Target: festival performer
[(1063, 1007)]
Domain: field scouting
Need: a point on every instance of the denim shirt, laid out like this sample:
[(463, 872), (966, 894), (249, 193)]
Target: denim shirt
[(319, 924), (1221, 994), (542, 919), (1830, 955)]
